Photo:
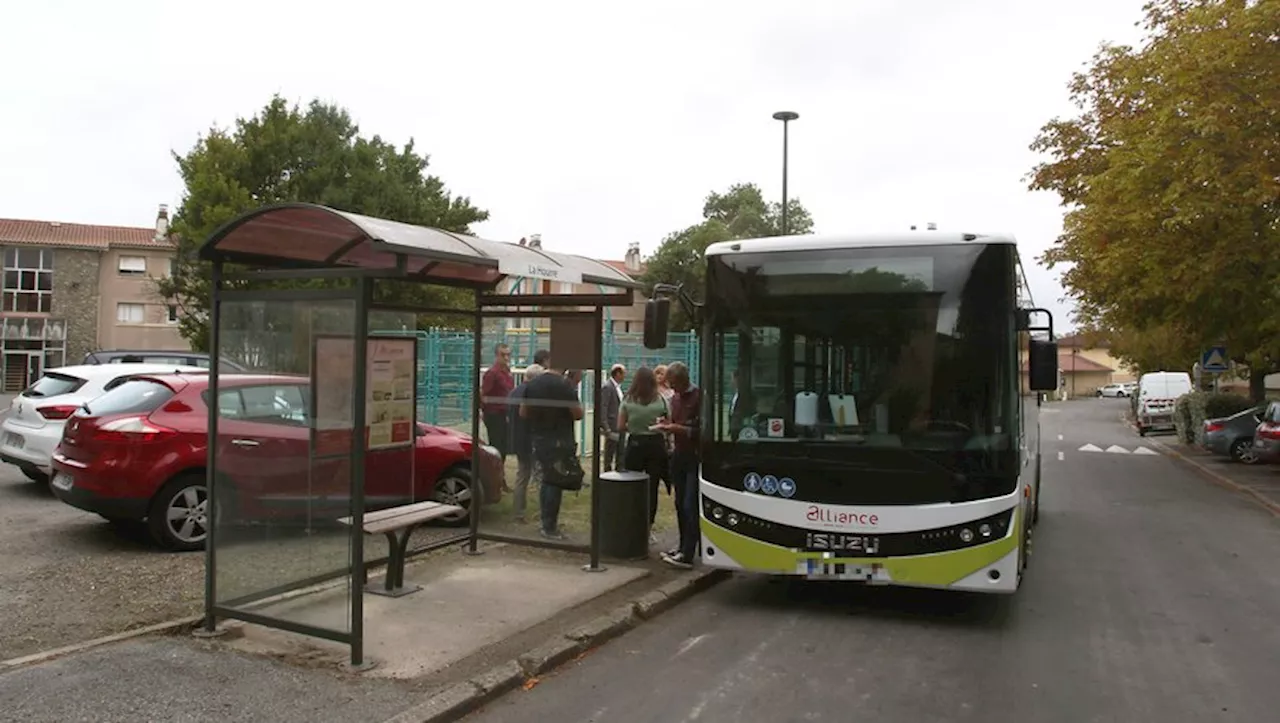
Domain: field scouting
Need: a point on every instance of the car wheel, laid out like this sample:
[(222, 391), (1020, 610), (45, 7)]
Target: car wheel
[(179, 515), (35, 475), (1242, 451), (454, 488)]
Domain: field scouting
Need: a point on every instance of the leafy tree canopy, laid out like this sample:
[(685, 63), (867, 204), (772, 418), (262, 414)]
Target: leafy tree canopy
[(1171, 177), (738, 213), (314, 155)]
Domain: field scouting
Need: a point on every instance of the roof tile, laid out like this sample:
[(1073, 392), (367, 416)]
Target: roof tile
[(19, 232)]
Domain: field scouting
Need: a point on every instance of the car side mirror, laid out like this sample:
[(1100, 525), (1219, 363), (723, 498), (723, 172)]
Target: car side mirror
[(1042, 365), (657, 315)]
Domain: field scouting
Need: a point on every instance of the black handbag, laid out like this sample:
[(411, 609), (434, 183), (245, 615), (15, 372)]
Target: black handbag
[(560, 465)]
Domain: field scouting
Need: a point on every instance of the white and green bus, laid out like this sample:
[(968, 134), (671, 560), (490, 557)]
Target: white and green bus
[(866, 413)]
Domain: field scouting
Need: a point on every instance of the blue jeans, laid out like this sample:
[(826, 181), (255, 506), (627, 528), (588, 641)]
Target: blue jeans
[(684, 477), (549, 497)]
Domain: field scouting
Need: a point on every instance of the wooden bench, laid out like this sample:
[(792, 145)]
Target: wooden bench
[(398, 524)]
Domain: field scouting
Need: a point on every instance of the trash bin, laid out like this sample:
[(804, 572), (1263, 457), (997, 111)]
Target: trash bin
[(624, 515)]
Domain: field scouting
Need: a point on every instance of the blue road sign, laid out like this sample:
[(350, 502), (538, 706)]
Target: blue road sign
[(1214, 360)]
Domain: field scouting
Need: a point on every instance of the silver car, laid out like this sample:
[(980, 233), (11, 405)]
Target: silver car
[(1233, 436)]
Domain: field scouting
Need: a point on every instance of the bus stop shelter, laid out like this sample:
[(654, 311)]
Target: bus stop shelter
[(303, 447)]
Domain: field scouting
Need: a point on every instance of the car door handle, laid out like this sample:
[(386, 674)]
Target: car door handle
[(249, 443)]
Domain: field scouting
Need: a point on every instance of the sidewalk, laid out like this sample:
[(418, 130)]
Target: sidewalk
[(481, 627), (1259, 482)]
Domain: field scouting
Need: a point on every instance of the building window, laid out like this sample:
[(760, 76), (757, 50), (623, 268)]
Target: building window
[(130, 313), (28, 280), (172, 311), (173, 267), (133, 265)]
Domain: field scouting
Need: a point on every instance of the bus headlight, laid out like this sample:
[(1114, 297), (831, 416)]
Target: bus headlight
[(984, 529), (966, 535), (732, 520), (717, 513)]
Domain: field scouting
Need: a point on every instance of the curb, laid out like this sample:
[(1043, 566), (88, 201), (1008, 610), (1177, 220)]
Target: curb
[(452, 702), (159, 628), (1223, 481)]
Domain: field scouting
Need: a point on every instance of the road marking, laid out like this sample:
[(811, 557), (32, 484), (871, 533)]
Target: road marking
[(1061, 456), (1117, 449), (687, 645)]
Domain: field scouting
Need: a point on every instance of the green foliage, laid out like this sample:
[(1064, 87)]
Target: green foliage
[(740, 212), (1171, 177), (1224, 404), (1191, 411), (314, 155)]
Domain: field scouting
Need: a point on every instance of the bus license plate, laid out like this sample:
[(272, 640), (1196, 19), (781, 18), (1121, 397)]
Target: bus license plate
[(63, 481), (830, 570)]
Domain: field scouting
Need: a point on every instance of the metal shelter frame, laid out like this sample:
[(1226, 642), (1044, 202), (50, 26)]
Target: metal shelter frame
[(303, 242)]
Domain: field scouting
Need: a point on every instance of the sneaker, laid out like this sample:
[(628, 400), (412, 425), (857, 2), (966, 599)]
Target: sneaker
[(672, 552), (555, 535), (677, 560)]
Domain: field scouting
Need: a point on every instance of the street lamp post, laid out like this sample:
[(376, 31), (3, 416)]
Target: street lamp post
[(786, 117)]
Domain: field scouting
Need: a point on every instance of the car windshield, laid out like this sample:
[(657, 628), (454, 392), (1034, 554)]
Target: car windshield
[(53, 384), (135, 396)]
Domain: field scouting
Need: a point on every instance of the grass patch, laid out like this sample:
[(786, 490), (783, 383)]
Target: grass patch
[(575, 511)]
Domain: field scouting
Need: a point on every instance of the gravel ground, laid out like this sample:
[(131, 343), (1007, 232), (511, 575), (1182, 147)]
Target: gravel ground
[(68, 576)]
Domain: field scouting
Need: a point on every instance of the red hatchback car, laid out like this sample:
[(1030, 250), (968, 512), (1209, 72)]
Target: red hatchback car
[(138, 453)]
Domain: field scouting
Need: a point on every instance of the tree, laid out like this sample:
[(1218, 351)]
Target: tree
[(315, 155), (740, 212), (1171, 177)]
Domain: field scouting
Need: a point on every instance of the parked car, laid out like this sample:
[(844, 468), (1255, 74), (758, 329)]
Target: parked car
[(138, 454), (154, 356), (1158, 392), (1120, 389), (36, 416), (1266, 438), (1233, 436)]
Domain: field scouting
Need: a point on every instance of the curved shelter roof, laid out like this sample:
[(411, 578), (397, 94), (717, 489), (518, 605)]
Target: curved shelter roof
[(304, 235)]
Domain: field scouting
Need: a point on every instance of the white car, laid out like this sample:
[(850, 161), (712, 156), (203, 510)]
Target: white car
[(1122, 389), (33, 426)]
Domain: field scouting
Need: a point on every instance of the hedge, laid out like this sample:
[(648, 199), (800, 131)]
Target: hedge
[(1193, 408)]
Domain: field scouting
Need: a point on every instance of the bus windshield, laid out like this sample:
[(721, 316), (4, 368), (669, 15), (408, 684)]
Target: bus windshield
[(897, 353)]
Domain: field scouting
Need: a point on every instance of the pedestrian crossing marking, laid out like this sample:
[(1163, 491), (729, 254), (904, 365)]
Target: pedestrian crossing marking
[(1144, 450), (1090, 448), (1117, 449)]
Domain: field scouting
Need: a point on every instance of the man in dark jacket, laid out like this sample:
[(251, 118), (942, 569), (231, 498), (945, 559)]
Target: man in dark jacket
[(521, 443), (549, 407)]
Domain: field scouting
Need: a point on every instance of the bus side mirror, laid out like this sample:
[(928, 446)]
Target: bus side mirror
[(657, 313), (1042, 365)]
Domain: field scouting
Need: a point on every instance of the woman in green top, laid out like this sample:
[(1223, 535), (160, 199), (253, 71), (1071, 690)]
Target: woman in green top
[(646, 450)]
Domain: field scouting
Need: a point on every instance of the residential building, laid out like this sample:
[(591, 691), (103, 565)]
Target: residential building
[(1084, 365), (71, 288)]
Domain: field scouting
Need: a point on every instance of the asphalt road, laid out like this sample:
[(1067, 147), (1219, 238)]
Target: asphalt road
[(1152, 596)]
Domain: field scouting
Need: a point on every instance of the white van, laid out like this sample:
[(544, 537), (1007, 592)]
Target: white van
[(1158, 392)]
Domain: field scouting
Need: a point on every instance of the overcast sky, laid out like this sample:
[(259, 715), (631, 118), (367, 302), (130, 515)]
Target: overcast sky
[(591, 124)]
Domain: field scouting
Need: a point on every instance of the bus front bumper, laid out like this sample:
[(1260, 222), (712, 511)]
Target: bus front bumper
[(989, 568)]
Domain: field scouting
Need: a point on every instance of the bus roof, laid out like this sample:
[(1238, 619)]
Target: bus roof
[(862, 240)]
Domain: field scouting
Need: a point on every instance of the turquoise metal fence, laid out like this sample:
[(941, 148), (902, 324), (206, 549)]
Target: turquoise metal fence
[(445, 366)]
